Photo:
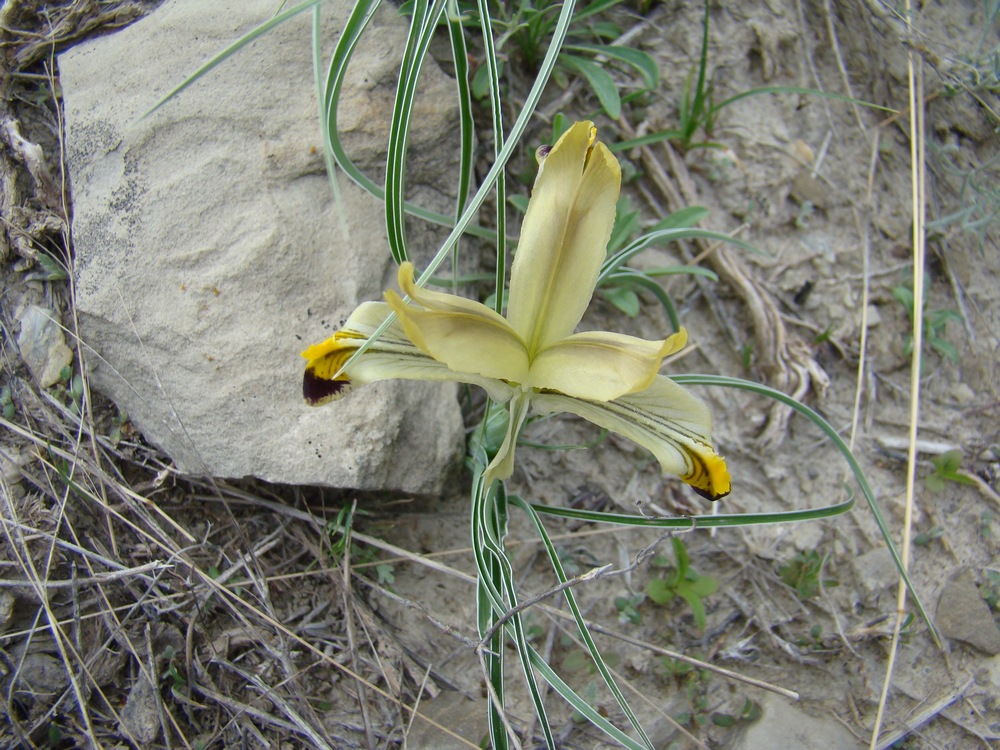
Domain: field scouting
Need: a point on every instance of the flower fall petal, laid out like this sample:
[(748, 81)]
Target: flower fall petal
[(674, 425), (461, 333), (393, 355)]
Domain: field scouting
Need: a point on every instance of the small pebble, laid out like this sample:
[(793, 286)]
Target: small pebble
[(42, 344)]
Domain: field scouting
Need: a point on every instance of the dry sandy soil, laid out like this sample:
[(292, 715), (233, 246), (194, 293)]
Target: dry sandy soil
[(141, 608)]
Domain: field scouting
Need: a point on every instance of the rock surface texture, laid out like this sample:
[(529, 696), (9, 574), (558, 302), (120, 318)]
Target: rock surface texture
[(209, 251)]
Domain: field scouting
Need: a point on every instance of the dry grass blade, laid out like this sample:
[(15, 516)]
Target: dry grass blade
[(917, 160)]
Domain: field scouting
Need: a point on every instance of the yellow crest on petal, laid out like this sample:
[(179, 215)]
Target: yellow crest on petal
[(326, 359)]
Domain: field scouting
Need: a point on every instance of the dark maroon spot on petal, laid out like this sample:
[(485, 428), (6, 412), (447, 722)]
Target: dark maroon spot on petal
[(317, 390), (708, 494)]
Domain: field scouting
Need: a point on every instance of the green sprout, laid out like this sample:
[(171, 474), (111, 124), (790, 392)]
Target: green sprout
[(363, 558), (935, 323), (804, 573), (947, 468), (696, 688), (697, 109), (7, 403), (750, 712), (172, 672), (628, 608), (814, 640), (681, 581), (926, 537)]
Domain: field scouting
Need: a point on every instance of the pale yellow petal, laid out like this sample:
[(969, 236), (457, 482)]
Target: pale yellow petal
[(461, 333), (392, 356), (674, 425), (564, 238), (601, 366)]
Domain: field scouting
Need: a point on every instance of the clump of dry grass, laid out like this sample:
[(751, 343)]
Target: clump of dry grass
[(137, 606)]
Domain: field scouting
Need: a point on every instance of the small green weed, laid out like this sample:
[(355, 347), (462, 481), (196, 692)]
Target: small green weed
[(695, 682), (172, 673), (804, 573), (120, 427), (628, 608), (947, 468), (696, 688), (697, 109), (935, 324), (72, 386), (49, 269), (750, 712), (814, 641), (364, 559), (7, 403), (976, 207), (926, 537), (681, 581)]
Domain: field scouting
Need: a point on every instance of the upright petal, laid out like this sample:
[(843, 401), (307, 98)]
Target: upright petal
[(564, 237), (601, 366), (463, 334), (393, 355), (671, 423)]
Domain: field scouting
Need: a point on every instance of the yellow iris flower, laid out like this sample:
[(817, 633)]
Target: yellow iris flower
[(533, 358)]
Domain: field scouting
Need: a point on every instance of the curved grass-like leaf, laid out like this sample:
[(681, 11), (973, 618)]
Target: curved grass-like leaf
[(663, 236), (830, 433), (495, 171), (496, 112), (424, 20), (581, 623), (639, 278)]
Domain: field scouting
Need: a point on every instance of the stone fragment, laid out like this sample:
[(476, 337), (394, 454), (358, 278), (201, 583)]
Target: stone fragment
[(875, 569), (451, 709), (786, 725), (42, 344), (210, 251), (964, 616), (140, 717), (40, 678)]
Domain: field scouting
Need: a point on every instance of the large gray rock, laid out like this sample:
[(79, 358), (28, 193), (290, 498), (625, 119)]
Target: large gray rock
[(209, 251)]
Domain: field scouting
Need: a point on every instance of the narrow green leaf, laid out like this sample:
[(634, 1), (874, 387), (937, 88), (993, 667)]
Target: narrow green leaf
[(659, 592), (645, 140), (637, 59), (798, 90), (602, 84), (624, 299), (681, 219), (231, 50)]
